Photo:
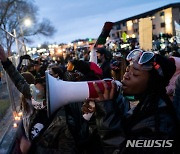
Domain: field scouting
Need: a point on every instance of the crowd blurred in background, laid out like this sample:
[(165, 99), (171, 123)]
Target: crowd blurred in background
[(69, 131)]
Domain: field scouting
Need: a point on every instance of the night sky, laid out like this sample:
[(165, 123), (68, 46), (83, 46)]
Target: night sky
[(74, 19)]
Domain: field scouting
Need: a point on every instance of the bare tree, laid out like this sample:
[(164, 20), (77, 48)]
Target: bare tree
[(12, 15)]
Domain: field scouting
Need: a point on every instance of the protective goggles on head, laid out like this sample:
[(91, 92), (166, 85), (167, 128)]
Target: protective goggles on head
[(140, 56), (145, 59)]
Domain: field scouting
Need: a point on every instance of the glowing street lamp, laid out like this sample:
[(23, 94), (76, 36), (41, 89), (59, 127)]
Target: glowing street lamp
[(27, 22)]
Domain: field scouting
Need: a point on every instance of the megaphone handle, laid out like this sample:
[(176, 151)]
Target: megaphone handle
[(87, 116), (92, 90)]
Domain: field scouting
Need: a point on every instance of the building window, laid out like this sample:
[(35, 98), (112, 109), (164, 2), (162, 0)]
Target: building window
[(118, 27), (153, 17), (162, 13), (135, 30), (135, 21), (125, 32), (124, 24), (117, 35), (162, 24), (154, 26)]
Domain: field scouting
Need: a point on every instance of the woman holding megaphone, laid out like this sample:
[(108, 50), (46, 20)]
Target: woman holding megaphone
[(152, 123)]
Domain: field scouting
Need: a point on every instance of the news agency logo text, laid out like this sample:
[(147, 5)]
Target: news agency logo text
[(149, 143)]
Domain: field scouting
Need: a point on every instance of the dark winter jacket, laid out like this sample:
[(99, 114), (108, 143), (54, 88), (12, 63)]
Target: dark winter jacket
[(115, 127)]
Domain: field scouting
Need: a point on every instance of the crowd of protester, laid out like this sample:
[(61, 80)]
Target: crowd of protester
[(152, 78)]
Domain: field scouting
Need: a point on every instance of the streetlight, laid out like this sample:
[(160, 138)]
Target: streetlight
[(27, 22)]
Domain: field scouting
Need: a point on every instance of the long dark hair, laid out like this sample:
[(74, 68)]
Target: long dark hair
[(149, 101)]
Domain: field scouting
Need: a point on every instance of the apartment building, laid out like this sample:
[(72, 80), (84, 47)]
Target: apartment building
[(161, 22)]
